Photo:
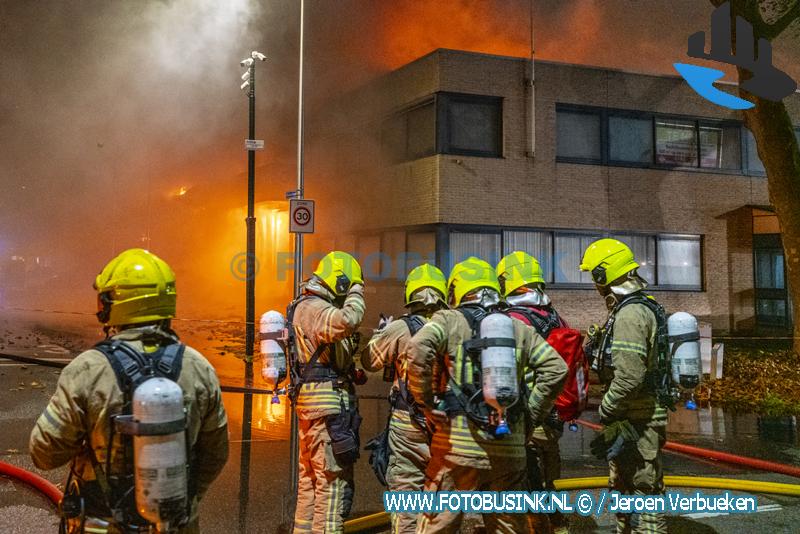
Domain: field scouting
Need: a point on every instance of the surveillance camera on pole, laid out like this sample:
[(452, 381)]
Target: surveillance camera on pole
[(251, 145)]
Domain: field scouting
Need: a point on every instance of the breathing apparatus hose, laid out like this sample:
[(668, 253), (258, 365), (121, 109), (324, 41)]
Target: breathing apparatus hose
[(734, 459), (47, 488)]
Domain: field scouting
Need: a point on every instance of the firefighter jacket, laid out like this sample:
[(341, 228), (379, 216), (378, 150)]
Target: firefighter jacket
[(390, 347), (634, 357), (87, 395), (318, 321), (462, 441)]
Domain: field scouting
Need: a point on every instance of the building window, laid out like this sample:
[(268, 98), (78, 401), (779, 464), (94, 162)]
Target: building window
[(720, 146), (641, 139), (578, 136), (679, 263), (676, 143), (537, 244), (420, 248), (569, 251), (410, 134), (470, 125), (482, 245), (421, 126), (630, 139), (665, 261), (754, 165), (644, 250)]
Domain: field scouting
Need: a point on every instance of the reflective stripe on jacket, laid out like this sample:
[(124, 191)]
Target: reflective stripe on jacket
[(634, 354), (317, 321), (462, 441)]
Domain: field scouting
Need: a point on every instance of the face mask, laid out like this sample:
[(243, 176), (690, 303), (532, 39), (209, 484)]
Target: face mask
[(534, 296), (426, 297), (483, 297)]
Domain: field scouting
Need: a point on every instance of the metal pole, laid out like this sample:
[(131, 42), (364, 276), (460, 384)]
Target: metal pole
[(249, 342), (298, 257)]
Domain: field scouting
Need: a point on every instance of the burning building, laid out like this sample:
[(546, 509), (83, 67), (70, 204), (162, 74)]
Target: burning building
[(464, 153)]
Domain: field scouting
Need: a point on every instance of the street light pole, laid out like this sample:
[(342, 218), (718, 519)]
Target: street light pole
[(250, 290), (298, 248), (298, 262)]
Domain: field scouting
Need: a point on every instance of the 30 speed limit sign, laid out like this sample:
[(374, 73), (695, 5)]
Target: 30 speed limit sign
[(301, 216)]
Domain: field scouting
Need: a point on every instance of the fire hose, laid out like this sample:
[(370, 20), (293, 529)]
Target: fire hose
[(47, 488), (735, 459), (382, 518)]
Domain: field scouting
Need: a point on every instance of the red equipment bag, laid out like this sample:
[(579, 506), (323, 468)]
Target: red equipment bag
[(568, 342)]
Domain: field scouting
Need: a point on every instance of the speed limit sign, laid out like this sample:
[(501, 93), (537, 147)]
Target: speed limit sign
[(301, 216)]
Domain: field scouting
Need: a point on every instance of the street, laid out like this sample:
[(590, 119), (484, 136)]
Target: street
[(26, 389)]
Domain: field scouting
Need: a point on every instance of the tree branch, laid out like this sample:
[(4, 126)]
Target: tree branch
[(776, 28)]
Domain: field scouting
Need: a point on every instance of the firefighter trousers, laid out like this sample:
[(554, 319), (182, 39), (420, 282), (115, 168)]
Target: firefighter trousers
[(322, 482), (544, 441), (444, 475), (637, 471), (410, 454)]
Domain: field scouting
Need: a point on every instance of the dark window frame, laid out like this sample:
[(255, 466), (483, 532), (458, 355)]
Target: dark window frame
[(403, 116), (605, 159), (446, 229), (443, 125), (585, 110)]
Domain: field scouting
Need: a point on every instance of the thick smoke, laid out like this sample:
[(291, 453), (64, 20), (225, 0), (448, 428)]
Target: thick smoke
[(109, 110)]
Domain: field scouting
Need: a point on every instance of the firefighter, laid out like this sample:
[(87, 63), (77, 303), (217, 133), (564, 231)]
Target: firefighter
[(425, 290), (473, 447), (522, 284), (136, 301), (325, 318), (630, 358)]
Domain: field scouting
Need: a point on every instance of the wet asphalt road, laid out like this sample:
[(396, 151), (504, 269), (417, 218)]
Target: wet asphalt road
[(25, 389)]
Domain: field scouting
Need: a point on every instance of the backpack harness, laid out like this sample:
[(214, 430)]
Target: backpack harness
[(311, 371), (657, 379), (401, 398), (113, 494), (467, 398)]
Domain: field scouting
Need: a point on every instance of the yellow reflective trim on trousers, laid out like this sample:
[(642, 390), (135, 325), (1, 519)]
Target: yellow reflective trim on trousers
[(303, 525), (332, 511)]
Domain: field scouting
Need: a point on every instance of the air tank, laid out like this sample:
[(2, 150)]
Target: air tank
[(160, 460), (273, 365), (499, 368), (684, 344)]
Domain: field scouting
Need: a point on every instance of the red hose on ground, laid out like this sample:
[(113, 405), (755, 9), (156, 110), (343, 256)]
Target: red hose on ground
[(727, 457), (31, 479)]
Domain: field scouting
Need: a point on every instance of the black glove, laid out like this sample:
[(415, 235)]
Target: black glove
[(613, 439)]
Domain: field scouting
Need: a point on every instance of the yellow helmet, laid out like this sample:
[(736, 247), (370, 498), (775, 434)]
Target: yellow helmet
[(426, 275), (469, 275), (607, 260), (339, 271), (135, 287), (518, 269)]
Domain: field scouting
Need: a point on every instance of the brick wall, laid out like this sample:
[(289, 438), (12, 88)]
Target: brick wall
[(536, 191)]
